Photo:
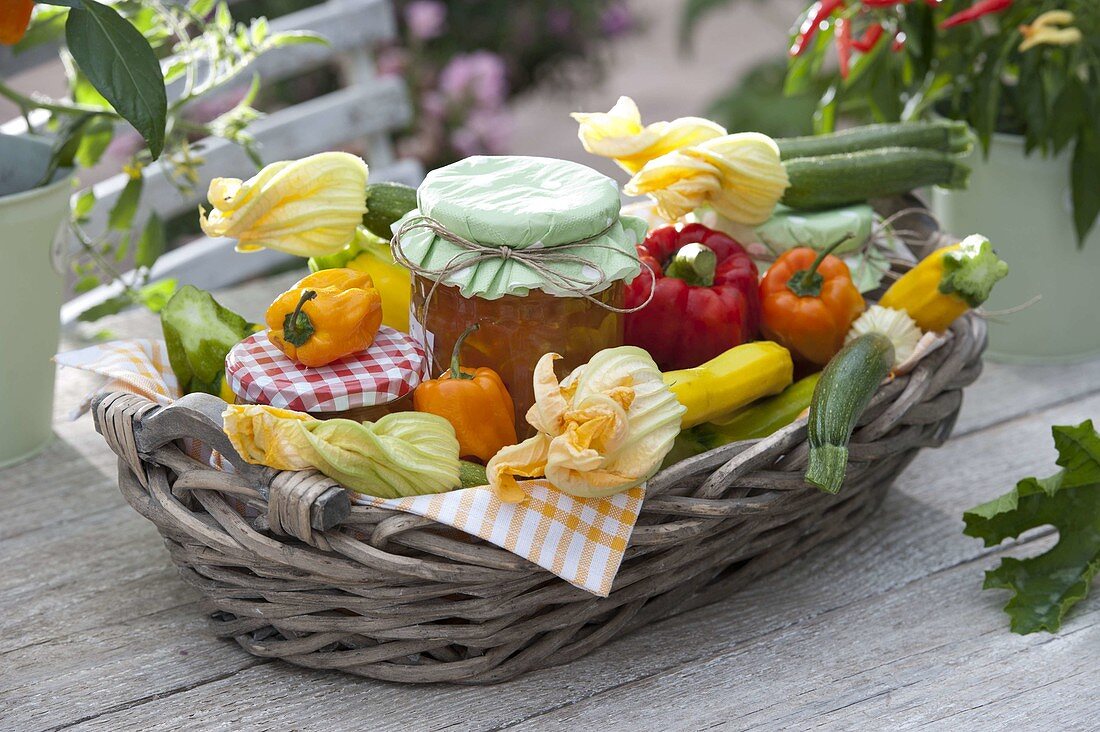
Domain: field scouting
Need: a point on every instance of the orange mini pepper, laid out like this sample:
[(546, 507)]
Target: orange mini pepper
[(326, 316), (475, 402), (14, 19), (808, 303)]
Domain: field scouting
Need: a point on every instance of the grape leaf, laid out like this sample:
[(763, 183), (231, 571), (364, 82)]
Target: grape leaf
[(1046, 586)]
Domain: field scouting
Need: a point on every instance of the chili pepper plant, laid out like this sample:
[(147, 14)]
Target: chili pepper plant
[(1023, 67)]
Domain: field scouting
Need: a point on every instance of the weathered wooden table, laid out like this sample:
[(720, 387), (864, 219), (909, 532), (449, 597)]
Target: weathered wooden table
[(885, 629)]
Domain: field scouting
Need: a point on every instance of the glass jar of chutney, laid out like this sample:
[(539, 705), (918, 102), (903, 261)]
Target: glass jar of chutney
[(533, 250)]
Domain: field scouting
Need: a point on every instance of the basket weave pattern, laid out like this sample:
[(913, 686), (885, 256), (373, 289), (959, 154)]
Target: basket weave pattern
[(303, 575)]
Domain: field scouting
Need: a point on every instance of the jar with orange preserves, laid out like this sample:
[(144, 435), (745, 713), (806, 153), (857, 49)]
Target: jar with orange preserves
[(533, 250)]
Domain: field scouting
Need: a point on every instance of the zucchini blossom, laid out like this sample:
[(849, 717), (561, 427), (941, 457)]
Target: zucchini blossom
[(618, 134), (309, 207), (740, 176), (604, 429), (402, 454)]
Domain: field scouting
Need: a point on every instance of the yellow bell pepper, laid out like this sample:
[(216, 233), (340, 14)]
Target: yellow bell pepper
[(947, 283), (325, 317), (738, 377), (371, 255)]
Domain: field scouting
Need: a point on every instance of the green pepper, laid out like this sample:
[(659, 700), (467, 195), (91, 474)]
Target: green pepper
[(199, 334)]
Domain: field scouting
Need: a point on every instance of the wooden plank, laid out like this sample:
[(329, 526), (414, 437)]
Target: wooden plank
[(1007, 391), (916, 534), (931, 654), (347, 25)]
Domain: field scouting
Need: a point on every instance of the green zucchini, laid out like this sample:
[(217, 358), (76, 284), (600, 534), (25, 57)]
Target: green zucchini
[(846, 387), (386, 203), (942, 136), (472, 475), (838, 180)]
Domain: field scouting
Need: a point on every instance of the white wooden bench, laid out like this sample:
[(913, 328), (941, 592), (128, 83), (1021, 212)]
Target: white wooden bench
[(365, 112)]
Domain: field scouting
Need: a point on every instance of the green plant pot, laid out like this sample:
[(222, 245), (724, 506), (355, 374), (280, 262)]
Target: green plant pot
[(30, 299), (1022, 203)]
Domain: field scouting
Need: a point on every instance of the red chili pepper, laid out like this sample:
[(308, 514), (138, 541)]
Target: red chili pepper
[(976, 11), (899, 41), (818, 13), (844, 46), (869, 38), (705, 299)]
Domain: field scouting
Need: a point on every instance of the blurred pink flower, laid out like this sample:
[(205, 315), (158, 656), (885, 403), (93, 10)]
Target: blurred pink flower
[(426, 18), (485, 132), (479, 75), (616, 20), (392, 61)]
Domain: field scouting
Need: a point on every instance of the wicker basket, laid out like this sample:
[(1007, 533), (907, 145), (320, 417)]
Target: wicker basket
[(320, 583)]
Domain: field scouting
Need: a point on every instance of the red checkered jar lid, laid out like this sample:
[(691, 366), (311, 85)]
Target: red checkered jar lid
[(259, 373)]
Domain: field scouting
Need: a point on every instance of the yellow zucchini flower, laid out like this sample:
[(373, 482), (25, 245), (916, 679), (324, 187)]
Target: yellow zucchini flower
[(1052, 28), (740, 176), (603, 430), (619, 134), (402, 454), (308, 208)]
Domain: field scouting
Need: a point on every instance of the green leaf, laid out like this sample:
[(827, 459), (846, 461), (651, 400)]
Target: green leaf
[(201, 8), (110, 306), (122, 214), (152, 242), (1046, 586), (83, 205), (1069, 114), (119, 62), (295, 38), (86, 284), (157, 295), (1086, 183), (93, 143)]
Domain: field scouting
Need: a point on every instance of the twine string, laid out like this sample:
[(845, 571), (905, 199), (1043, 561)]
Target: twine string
[(540, 260)]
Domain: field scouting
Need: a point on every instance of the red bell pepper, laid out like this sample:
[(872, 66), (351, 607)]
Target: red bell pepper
[(706, 299), (976, 11)]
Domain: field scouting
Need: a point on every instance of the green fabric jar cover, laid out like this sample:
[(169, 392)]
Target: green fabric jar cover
[(522, 203)]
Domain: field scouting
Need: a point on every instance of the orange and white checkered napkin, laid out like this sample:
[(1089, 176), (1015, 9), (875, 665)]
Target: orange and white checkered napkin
[(581, 540)]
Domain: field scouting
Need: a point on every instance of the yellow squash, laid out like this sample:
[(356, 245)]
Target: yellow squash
[(738, 377), (947, 283)]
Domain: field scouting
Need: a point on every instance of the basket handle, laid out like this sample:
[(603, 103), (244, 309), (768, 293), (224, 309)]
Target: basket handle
[(298, 502)]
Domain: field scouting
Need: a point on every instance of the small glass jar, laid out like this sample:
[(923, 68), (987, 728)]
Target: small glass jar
[(557, 285), (363, 387)]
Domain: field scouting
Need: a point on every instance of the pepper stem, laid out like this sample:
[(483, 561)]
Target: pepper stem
[(456, 361), (808, 282), (693, 263), (297, 327)]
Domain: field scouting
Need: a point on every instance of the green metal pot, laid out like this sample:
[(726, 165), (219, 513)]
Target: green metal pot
[(30, 297), (1022, 203)]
